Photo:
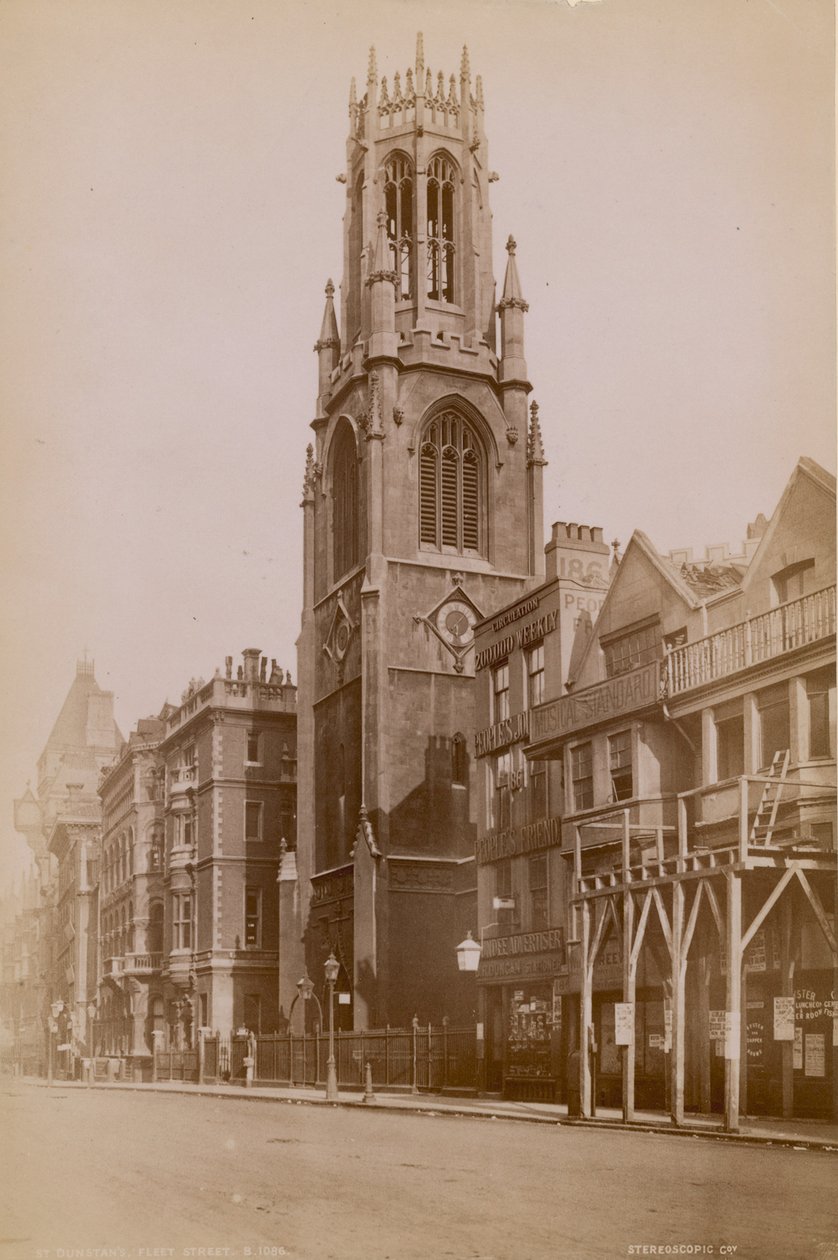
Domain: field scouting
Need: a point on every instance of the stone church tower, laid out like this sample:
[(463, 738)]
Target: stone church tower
[(423, 512)]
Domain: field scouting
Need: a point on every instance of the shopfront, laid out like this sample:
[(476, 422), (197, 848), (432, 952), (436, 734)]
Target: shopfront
[(518, 975)]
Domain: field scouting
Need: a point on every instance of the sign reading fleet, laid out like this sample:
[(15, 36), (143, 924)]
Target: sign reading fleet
[(600, 703)]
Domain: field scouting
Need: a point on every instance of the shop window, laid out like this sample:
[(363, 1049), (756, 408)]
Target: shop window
[(500, 692), (253, 917), (537, 793), (730, 741), (253, 820), (535, 675), (619, 760), (773, 704), (182, 920), (539, 893), (818, 687), (628, 651), (794, 581), (253, 748), (582, 776), (504, 913)]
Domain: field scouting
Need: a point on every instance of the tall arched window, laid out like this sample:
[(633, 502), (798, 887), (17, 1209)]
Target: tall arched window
[(155, 927), (398, 202), (344, 500), (441, 175), (451, 485)]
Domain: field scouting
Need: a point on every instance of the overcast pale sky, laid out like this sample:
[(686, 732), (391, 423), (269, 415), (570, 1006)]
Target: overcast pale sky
[(169, 218)]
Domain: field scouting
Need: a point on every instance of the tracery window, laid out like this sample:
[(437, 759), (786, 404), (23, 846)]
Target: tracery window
[(450, 485), (344, 500), (441, 177), (398, 201)]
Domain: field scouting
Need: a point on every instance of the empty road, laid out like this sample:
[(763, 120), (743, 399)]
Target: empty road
[(140, 1176)]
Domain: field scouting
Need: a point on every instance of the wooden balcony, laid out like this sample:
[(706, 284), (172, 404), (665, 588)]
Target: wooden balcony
[(763, 638)]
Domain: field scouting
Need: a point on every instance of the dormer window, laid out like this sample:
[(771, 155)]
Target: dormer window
[(794, 581)]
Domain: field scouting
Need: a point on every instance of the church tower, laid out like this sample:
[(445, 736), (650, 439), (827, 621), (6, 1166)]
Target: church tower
[(422, 503)]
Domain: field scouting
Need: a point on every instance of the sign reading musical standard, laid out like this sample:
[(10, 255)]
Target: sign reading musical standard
[(600, 703), (526, 955)]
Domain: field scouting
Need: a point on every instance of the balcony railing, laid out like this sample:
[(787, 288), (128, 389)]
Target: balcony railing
[(142, 964), (751, 642)]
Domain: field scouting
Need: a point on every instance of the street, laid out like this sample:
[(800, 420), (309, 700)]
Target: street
[(143, 1175)]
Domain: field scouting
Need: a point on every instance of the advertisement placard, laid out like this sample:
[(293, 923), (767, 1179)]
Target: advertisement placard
[(784, 1018), (623, 1023)]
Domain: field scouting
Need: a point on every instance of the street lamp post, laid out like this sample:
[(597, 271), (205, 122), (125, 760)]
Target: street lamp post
[(331, 967), (55, 1010)]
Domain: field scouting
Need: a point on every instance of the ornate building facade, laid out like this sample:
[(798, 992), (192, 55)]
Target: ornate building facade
[(423, 511)]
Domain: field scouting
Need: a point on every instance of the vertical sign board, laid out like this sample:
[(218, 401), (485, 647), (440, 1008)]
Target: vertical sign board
[(784, 1018), (797, 1053), (623, 1023), (667, 1029)]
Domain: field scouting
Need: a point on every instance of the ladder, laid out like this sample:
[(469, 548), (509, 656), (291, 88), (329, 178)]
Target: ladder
[(766, 815)]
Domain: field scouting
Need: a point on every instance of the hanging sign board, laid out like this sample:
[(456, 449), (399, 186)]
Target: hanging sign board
[(623, 1023), (732, 1035), (784, 1019)]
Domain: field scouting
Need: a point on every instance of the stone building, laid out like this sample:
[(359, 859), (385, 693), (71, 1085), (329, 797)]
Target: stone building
[(228, 756), (697, 749), (60, 821), (131, 896), (422, 512)]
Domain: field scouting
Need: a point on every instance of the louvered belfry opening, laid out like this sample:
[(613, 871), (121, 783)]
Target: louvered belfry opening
[(450, 474)]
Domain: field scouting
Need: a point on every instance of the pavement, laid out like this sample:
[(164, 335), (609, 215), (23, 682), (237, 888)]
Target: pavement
[(796, 1133)]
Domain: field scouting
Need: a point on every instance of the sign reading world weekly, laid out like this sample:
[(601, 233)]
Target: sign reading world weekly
[(600, 703)]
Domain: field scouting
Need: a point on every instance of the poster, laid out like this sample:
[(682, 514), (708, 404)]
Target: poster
[(623, 1023), (784, 1019), (797, 1053), (717, 1025), (815, 1054)]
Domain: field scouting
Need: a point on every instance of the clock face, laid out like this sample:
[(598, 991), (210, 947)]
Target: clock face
[(455, 622)]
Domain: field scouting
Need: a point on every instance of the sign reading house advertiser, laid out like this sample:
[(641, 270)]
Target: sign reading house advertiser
[(600, 703), (526, 955)]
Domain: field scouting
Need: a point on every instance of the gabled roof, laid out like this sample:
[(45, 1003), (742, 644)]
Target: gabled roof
[(804, 468)]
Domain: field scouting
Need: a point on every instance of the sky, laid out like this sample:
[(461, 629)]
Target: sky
[(169, 216)]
